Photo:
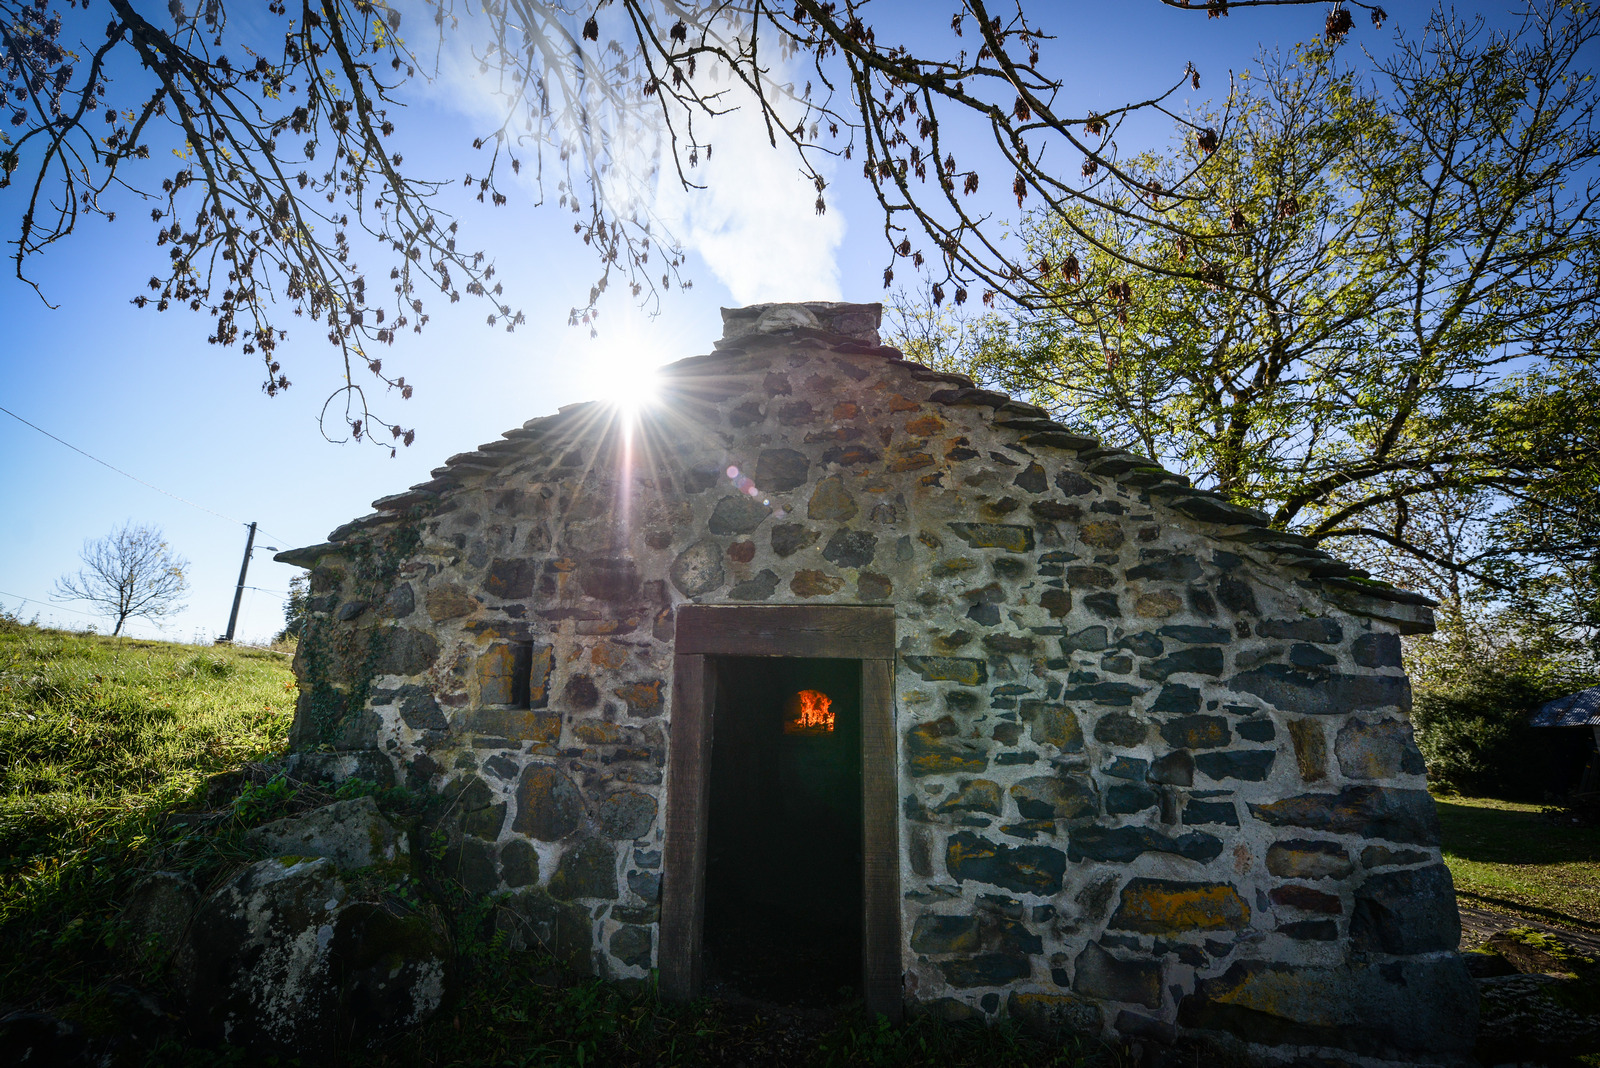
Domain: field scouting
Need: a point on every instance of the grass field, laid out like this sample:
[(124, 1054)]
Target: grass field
[(99, 739), (1512, 857)]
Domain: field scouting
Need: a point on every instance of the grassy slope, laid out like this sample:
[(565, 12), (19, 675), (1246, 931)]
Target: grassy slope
[(99, 738), (1509, 856)]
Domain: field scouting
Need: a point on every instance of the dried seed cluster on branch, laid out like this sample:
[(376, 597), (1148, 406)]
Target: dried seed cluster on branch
[(285, 170)]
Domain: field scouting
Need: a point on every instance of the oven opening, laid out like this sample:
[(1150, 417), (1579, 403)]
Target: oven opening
[(783, 891)]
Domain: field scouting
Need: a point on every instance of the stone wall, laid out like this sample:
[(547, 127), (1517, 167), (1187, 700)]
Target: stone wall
[(1156, 767)]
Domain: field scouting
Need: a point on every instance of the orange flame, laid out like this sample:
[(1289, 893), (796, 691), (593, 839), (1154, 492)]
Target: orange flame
[(810, 712)]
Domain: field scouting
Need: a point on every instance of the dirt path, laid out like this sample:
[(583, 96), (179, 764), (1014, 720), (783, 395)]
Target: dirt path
[(1478, 924)]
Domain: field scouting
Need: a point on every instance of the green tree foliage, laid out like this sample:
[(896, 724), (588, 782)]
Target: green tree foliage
[(1474, 699), (1372, 313), (294, 609)]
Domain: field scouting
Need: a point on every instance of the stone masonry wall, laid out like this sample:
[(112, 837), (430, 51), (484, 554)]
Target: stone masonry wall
[(1155, 762)]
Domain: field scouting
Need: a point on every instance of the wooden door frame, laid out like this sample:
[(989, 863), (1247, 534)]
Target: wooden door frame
[(843, 632)]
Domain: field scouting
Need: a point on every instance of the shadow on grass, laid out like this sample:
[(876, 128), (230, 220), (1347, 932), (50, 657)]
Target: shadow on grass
[(1522, 862), (1506, 836)]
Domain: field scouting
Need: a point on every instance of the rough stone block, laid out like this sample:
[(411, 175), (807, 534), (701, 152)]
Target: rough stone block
[(1011, 538), (974, 795), (588, 869), (1310, 749), (519, 863), (1122, 844), (549, 806), (1098, 974), (626, 815), (1298, 858), (1379, 749), (1201, 813), (1197, 732), (986, 969), (1416, 1011), (1055, 725), (965, 671), (832, 502), (1249, 765), (1406, 816), (938, 748), (406, 651), (698, 569), (1321, 631), (449, 601), (1055, 797), (352, 834), (737, 514), (945, 934), (1305, 899), (1052, 1015), (632, 945), (1121, 729), (1376, 650), (781, 470), (1024, 869), (1408, 911), (1169, 907), (1314, 692)]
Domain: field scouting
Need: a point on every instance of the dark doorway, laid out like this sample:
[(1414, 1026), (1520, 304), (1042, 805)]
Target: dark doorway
[(783, 876)]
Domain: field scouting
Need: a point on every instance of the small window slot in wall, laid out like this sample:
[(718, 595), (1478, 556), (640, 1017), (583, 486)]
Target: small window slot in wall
[(521, 674)]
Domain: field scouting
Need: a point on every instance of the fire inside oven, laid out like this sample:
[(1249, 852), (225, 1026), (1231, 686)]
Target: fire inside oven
[(783, 859)]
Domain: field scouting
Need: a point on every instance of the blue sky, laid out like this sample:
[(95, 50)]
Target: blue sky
[(143, 391)]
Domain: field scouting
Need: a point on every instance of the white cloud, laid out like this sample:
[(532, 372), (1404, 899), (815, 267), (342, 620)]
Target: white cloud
[(755, 224)]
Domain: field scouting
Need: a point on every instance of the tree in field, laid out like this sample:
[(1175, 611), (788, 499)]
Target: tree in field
[(289, 200), (131, 573), (1373, 317)]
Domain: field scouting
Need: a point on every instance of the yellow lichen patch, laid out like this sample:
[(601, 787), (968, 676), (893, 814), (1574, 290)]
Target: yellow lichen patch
[(1157, 605), (924, 426), (897, 403), (642, 698), (608, 655), (597, 733), (1164, 906), (912, 462), (449, 602), (1101, 534)]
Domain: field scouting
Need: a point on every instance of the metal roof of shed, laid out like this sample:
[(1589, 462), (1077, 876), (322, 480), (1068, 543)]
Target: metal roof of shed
[(1581, 709)]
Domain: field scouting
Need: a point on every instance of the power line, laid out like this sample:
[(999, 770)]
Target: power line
[(128, 625), (50, 604), (136, 478)]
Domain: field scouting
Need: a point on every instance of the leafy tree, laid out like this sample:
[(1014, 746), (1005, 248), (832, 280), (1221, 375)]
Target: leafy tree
[(1475, 694), (131, 573), (1375, 320), (282, 121), (294, 609)]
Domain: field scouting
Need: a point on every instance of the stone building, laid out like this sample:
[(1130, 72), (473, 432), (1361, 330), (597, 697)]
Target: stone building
[(1006, 722)]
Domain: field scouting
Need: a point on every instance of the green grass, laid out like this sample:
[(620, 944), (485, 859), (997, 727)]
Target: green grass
[(1512, 857), (100, 739)]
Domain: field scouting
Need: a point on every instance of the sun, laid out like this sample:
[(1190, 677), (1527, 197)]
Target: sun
[(620, 367)]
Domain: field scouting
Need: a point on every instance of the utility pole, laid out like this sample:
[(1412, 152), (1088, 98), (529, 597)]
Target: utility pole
[(238, 594)]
